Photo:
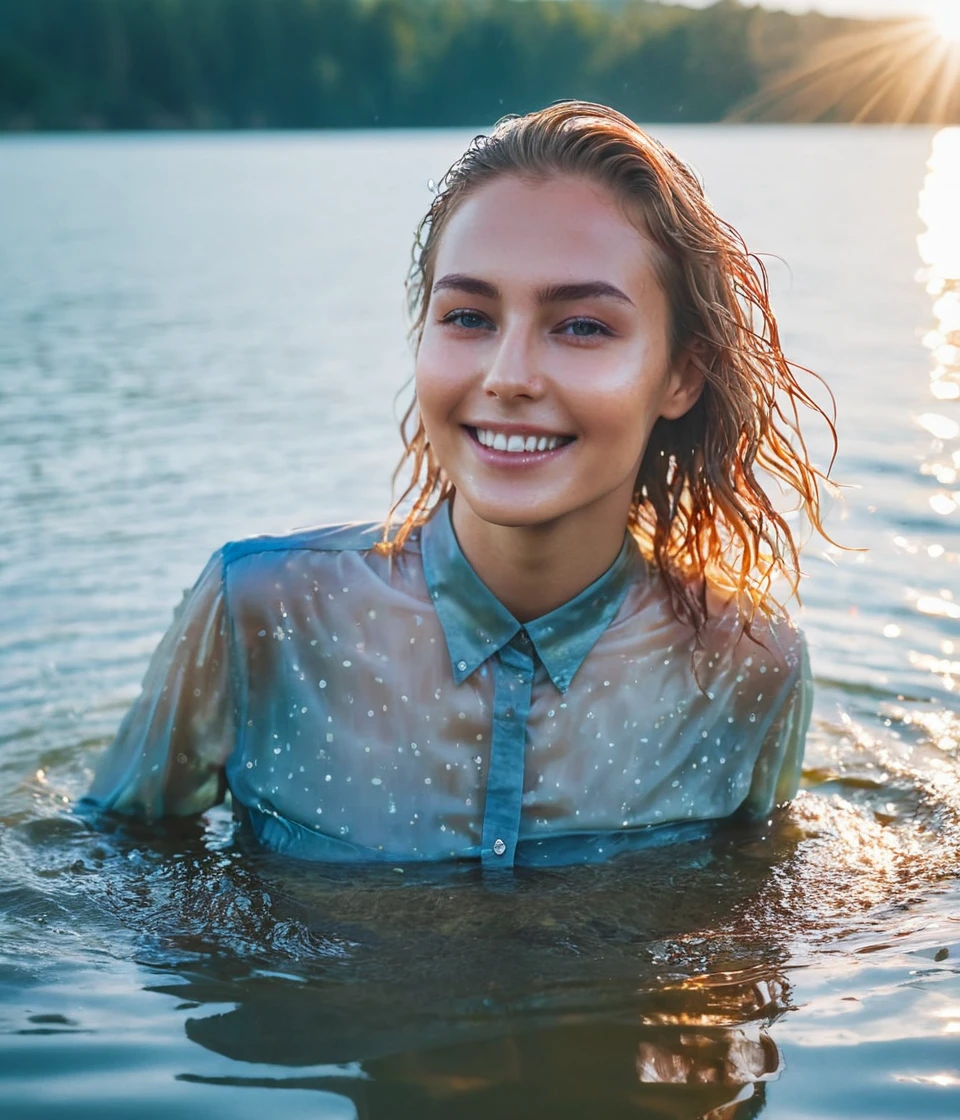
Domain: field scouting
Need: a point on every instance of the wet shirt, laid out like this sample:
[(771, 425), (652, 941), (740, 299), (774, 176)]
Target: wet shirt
[(363, 707)]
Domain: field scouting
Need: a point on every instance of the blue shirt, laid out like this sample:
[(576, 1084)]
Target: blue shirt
[(367, 707)]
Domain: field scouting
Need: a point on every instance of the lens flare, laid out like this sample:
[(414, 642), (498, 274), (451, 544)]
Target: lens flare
[(946, 19)]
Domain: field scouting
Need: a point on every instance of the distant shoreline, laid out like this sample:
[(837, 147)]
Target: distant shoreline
[(104, 66)]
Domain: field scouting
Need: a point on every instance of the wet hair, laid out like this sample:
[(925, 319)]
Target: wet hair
[(699, 511)]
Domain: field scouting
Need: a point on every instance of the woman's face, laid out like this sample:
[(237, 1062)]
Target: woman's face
[(545, 358)]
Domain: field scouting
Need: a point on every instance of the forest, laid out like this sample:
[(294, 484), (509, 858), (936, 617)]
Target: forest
[(225, 64)]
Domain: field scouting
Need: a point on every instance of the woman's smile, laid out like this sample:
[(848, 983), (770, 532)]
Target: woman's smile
[(524, 445)]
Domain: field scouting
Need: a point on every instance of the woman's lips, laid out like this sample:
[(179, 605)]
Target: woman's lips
[(521, 446)]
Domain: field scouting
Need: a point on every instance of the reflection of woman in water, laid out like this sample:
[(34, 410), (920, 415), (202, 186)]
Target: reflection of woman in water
[(568, 645), (693, 1049)]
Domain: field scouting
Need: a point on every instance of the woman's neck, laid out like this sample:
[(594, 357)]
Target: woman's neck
[(533, 569)]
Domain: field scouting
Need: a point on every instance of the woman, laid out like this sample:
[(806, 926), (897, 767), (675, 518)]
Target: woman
[(568, 647)]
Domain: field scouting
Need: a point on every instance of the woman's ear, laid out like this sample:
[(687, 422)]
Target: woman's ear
[(685, 383)]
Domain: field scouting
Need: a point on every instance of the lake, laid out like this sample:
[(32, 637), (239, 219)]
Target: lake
[(201, 338)]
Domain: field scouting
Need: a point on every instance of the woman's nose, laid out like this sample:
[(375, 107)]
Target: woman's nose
[(514, 369)]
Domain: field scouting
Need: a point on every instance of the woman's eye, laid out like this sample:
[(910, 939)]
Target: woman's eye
[(469, 320), (584, 328)]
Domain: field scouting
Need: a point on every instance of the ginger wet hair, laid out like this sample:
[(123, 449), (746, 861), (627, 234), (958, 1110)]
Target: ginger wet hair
[(699, 511)]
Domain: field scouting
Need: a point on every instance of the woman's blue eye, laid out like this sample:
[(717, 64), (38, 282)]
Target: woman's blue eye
[(585, 328), (470, 320)]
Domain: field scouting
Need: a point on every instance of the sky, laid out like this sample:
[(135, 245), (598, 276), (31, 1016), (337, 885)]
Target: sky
[(868, 9)]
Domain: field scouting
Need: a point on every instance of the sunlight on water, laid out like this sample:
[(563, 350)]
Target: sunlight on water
[(940, 251), (939, 247)]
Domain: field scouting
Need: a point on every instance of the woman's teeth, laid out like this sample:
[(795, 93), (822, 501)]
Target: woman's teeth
[(501, 442)]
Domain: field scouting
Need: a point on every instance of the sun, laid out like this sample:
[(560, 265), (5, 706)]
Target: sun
[(946, 19)]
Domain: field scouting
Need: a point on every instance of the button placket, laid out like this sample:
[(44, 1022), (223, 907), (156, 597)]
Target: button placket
[(513, 684)]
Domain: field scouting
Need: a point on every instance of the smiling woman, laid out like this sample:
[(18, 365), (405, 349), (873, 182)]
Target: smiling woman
[(568, 647), (586, 365)]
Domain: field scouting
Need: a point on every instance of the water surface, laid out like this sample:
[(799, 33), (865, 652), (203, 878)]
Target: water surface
[(201, 338)]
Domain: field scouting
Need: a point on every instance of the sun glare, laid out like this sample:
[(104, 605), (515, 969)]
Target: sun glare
[(946, 19)]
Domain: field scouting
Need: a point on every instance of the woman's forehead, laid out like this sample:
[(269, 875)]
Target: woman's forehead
[(545, 230)]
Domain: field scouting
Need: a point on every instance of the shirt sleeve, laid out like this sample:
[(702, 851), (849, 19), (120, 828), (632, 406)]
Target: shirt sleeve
[(168, 756), (776, 775)]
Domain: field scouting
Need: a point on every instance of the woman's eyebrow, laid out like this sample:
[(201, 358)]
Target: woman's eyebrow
[(589, 289), (554, 293), (457, 282)]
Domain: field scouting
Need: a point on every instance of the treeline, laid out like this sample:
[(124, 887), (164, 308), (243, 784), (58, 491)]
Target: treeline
[(132, 64)]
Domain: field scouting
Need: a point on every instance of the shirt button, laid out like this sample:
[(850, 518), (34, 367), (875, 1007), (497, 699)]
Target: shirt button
[(499, 847), (462, 665)]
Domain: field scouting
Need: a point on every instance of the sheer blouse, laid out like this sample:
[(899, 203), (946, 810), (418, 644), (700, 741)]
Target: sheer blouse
[(362, 707)]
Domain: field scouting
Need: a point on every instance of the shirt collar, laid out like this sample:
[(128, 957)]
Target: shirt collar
[(476, 624)]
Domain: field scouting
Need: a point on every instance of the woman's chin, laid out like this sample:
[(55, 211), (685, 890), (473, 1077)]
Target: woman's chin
[(509, 513)]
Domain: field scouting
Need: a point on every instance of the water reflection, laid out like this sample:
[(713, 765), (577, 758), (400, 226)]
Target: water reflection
[(696, 1048), (647, 987), (940, 251), (939, 247)]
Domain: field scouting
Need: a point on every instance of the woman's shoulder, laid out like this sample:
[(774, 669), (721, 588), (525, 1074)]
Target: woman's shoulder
[(271, 572), (742, 634), (356, 536)]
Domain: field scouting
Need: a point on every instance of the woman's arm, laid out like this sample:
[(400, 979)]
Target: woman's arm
[(776, 775), (168, 756)]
